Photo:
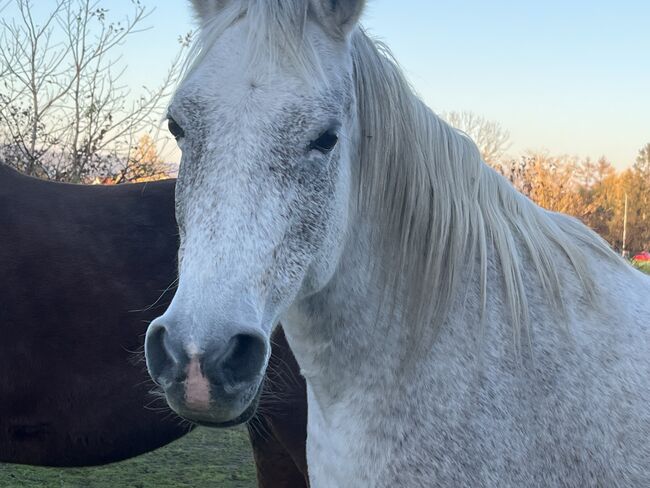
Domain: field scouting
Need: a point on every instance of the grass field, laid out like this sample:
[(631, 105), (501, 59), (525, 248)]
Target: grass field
[(642, 265), (204, 458)]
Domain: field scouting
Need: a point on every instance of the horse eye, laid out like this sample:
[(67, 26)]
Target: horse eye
[(325, 142), (175, 129)]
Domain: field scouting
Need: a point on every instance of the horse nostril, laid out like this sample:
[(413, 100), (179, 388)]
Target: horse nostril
[(244, 359), (160, 359)]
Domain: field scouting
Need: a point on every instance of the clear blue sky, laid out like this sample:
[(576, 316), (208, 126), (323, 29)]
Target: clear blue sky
[(569, 76)]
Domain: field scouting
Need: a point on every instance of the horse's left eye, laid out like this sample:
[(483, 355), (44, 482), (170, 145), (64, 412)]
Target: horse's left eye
[(325, 142)]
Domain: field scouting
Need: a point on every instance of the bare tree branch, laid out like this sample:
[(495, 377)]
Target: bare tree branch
[(492, 140), (63, 105)]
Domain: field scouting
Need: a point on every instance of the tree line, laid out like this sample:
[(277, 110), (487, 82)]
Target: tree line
[(608, 201), (616, 204)]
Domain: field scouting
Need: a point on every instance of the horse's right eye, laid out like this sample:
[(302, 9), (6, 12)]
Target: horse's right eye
[(175, 129), (325, 142)]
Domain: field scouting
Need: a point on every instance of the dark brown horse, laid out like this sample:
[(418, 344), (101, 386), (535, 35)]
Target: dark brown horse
[(83, 269)]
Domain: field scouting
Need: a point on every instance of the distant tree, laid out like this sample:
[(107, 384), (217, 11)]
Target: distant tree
[(516, 171), (598, 189), (65, 114), (593, 192), (547, 180), (643, 160), (492, 140), (637, 222), (143, 163), (638, 191), (553, 184), (585, 173), (603, 171)]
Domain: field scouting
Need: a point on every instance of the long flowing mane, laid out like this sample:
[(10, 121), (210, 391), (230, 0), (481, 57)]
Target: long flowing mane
[(437, 207), (440, 207)]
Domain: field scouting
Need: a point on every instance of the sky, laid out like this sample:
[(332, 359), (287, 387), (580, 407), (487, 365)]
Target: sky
[(571, 77)]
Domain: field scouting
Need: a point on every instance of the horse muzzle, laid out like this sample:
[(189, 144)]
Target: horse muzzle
[(218, 386)]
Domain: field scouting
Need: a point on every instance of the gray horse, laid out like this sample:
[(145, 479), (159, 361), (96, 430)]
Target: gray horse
[(451, 332)]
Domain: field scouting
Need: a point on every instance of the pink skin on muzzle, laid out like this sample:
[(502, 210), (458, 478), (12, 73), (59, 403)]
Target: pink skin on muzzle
[(197, 387)]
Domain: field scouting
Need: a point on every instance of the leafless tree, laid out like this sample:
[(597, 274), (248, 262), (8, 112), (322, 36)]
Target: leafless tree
[(65, 112), (643, 159), (492, 140)]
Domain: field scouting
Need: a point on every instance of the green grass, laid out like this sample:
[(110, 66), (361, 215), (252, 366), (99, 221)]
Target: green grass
[(642, 265), (204, 458)]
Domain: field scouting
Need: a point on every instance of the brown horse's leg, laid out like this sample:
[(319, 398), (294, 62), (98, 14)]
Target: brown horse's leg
[(279, 432), (275, 466)]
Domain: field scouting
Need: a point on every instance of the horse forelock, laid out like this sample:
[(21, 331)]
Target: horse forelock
[(276, 36)]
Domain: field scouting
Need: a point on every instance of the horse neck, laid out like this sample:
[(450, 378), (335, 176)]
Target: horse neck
[(347, 337)]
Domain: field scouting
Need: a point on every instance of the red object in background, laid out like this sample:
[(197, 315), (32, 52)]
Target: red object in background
[(642, 256)]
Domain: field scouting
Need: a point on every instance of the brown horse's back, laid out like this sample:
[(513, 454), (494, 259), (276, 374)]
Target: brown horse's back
[(83, 269), (78, 264)]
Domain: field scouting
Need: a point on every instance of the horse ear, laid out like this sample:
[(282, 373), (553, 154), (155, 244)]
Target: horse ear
[(341, 16), (206, 9)]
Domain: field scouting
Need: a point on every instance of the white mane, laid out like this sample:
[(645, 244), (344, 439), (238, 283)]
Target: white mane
[(438, 207)]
